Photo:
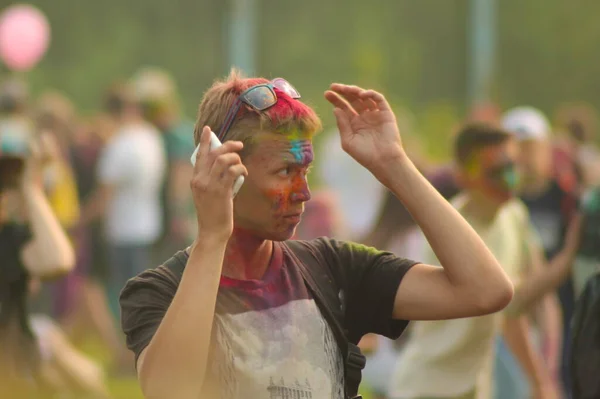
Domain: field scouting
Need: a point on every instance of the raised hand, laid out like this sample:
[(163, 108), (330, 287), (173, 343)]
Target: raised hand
[(212, 185), (368, 129)]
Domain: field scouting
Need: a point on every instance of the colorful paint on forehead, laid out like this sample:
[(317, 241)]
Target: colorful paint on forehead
[(302, 150), (300, 144)]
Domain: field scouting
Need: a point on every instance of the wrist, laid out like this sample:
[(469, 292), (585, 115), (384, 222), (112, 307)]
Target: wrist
[(29, 189), (542, 379), (391, 170), (207, 240)]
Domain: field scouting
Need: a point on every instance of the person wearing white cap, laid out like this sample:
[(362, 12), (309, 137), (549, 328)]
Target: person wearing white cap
[(551, 202)]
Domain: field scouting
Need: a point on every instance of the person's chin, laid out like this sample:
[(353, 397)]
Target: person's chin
[(284, 233), (504, 198), (278, 237)]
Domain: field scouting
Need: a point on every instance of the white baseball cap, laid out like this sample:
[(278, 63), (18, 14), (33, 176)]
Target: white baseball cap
[(526, 123)]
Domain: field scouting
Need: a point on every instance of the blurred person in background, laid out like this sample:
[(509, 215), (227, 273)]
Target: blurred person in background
[(130, 173), (342, 175), (444, 178), (455, 358), (578, 126), (54, 118), (242, 280), (587, 261), (157, 93), (551, 198), (321, 217), (36, 359), (81, 301), (394, 231)]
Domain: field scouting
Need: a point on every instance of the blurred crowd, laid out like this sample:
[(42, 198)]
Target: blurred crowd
[(117, 184)]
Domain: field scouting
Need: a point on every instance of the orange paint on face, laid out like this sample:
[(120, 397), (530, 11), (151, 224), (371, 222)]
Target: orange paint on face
[(271, 201)]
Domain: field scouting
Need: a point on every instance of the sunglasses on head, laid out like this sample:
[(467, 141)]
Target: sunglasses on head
[(259, 98)]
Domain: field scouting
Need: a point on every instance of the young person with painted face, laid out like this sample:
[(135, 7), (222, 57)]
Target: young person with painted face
[(236, 315), (455, 358)]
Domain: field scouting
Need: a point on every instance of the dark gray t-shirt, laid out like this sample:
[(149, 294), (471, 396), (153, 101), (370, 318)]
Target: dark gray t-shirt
[(269, 338)]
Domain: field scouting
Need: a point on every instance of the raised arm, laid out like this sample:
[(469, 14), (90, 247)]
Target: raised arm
[(49, 252), (175, 360), (471, 282), (546, 279)]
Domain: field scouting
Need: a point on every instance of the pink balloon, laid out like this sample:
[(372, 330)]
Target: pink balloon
[(24, 36)]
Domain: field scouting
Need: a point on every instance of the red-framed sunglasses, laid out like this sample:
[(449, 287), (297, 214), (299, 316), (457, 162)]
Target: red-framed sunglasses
[(259, 98)]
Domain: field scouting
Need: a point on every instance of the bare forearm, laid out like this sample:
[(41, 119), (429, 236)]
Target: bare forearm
[(460, 250), (50, 243), (516, 334), (542, 281), (176, 358), (552, 327)]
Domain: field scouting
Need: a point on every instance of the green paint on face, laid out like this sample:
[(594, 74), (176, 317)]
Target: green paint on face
[(511, 178)]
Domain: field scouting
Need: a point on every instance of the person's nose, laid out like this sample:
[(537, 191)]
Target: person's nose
[(300, 190)]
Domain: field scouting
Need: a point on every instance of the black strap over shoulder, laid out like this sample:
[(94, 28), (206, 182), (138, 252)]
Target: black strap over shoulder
[(320, 281)]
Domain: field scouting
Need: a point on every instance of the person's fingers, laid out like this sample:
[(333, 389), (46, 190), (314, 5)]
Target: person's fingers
[(377, 98), (371, 105), (339, 103), (346, 90), (228, 146), (232, 174), (203, 150), (352, 95), (222, 163), (343, 123), (359, 105)]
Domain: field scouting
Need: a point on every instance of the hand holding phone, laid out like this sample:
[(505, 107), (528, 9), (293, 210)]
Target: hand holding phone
[(214, 143)]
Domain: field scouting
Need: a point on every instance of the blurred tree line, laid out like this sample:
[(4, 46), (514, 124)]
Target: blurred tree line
[(415, 51)]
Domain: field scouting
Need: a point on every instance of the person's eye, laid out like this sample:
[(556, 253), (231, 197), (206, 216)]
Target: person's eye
[(284, 172)]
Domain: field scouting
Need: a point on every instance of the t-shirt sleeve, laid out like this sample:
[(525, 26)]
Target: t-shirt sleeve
[(372, 281), (144, 301)]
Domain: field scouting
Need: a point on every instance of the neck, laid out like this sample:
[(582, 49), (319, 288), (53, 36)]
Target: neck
[(481, 207), (247, 256)]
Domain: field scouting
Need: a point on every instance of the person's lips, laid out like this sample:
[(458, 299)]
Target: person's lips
[(293, 217)]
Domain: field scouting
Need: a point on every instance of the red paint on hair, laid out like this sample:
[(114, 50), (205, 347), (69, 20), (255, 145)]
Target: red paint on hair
[(287, 108), (287, 113)]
